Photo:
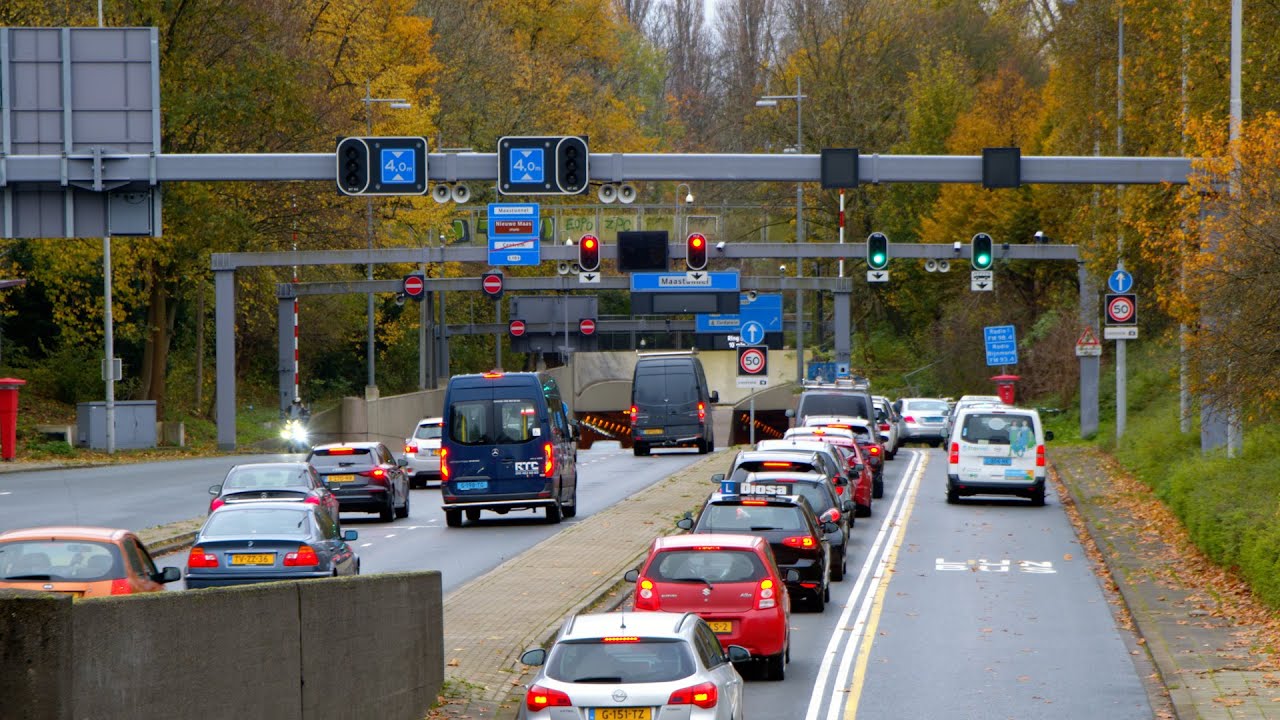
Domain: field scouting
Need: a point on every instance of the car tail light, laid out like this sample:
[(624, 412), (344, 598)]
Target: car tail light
[(884, 426), (1039, 456), (703, 695), (548, 460), (635, 412), (908, 418), (614, 639), (410, 449), (340, 451), (304, 557), (875, 450), (491, 375), (646, 598), (198, 558), (702, 412), (216, 503), (121, 586), (839, 489), (766, 596), (444, 464), (954, 456), (377, 474), (312, 500), (539, 697), (800, 541)]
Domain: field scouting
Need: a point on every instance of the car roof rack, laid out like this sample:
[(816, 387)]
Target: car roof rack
[(668, 353)]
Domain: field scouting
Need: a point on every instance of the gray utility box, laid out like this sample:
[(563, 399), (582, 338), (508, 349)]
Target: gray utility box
[(135, 425)]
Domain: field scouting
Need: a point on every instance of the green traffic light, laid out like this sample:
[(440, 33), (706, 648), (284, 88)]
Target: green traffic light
[(878, 258), (984, 260)]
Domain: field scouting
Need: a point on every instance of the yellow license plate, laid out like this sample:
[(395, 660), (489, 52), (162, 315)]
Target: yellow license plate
[(622, 713), (653, 431), (341, 478), (253, 559), (721, 627)]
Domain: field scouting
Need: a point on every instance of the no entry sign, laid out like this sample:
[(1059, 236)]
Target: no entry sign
[(587, 326), (414, 285), (516, 328), (491, 283)]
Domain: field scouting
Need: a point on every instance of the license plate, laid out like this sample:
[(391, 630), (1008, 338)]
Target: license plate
[(997, 461), (933, 419), (721, 627), (253, 559), (622, 713), (653, 431), (341, 478), (473, 485)]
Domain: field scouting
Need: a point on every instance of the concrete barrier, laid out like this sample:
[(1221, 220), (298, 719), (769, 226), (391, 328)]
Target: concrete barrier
[(361, 647)]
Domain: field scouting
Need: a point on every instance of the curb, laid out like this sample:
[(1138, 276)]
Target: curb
[(171, 544)]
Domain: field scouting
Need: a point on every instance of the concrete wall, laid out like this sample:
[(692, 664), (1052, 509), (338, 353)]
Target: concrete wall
[(340, 648)]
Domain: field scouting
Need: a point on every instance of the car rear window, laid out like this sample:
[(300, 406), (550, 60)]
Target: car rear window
[(255, 478), (60, 560), (336, 458), (1002, 429), (932, 406), (242, 522), (428, 432), (501, 421), (712, 565), (734, 517), (658, 386), (621, 661), (754, 466), (818, 497), (846, 404)]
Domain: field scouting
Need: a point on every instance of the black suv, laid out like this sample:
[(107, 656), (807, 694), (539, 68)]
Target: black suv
[(788, 524), (671, 403)]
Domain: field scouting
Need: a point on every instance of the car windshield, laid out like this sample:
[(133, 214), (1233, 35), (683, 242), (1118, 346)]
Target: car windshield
[(503, 421), (428, 432), (1004, 429), (262, 478), (926, 406), (735, 517), (625, 661), (59, 560), (708, 565), (233, 522)]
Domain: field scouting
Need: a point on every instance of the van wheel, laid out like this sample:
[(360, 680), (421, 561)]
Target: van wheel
[(553, 513), (453, 518), (640, 450), (473, 514), (1037, 497), (702, 447), (571, 510), (877, 487), (953, 496)]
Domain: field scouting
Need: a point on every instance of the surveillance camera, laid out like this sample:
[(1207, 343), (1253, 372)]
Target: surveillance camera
[(955, 246), (720, 246), (782, 268), (400, 298)]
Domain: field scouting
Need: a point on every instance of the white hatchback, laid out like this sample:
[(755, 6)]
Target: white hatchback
[(997, 451), (423, 452)]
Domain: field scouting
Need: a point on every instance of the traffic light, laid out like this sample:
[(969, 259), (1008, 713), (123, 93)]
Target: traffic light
[(981, 255), (353, 166), (695, 252), (571, 165), (877, 251), (589, 253)]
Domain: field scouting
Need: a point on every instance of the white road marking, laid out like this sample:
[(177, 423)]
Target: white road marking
[(389, 535), (365, 544), (6, 492)]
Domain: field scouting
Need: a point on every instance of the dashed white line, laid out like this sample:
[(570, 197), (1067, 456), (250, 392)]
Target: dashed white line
[(389, 535), (365, 544)]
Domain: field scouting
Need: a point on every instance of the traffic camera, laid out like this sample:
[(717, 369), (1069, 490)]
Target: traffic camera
[(982, 257), (589, 253), (877, 251), (695, 256)]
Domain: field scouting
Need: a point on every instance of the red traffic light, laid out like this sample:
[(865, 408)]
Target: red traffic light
[(589, 253), (695, 256)]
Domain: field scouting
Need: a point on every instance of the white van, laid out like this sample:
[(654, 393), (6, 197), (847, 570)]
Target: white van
[(996, 450)]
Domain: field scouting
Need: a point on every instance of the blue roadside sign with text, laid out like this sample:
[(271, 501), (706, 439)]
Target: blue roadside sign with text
[(764, 309), (1002, 344), (514, 234)]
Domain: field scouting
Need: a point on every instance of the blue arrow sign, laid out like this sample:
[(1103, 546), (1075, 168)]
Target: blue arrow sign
[(514, 234), (1002, 344), (1120, 281), (752, 332), (684, 282)]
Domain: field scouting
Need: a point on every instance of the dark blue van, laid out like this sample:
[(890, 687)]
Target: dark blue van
[(508, 444)]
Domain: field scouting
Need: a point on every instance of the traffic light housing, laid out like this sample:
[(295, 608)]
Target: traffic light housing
[(571, 165), (981, 255), (589, 253), (353, 166), (695, 252), (877, 251)]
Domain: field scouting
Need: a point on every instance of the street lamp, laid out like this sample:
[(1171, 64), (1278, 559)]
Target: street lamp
[(772, 101), (688, 198), (394, 104)]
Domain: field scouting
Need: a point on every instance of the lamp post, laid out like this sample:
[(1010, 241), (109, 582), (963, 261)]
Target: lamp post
[(688, 198), (772, 101), (397, 104)]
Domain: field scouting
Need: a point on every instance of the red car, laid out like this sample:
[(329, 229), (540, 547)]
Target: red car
[(731, 581), (868, 439), (859, 469)]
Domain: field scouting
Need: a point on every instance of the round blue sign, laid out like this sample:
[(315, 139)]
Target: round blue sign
[(1120, 281), (751, 332)]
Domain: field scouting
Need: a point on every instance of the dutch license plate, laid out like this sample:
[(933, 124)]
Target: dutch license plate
[(721, 627), (650, 431), (997, 461), (473, 485), (622, 713), (253, 559), (341, 478), (933, 419)]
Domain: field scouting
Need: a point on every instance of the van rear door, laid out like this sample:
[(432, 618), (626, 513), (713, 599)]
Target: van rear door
[(666, 399), (497, 438), (997, 447)]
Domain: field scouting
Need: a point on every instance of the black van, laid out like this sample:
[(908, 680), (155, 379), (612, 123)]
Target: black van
[(508, 444), (670, 403)]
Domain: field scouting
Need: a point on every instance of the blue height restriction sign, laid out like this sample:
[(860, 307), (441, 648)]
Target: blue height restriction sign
[(1002, 344)]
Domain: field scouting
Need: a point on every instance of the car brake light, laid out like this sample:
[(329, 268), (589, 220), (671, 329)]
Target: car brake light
[(312, 500), (646, 599), (444, 464), (800, 541), (491, 375), (786, 465), (703, 695), (765, 595), (620, 639), (839, 489), (908, 418), (755, 502), (548, 460), (884, 426), (198, 558), (304, 557), (340, 451), (707, 547), (410, 449), (1039, 456), (121, 586), (376, 474), (635, 411), (702, 412), (216, 503), (954, 456), (539, 697), (839, 425), (875, 449)]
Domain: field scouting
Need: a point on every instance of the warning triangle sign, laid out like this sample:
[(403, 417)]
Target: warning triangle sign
[(1088, 338)]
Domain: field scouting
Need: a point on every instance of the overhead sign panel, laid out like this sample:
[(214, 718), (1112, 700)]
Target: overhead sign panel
[(684, 282), (763, 309), (529, 165), (513, 234), (382, 166)]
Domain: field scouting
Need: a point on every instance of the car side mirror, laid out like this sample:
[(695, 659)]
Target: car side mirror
[(828, 516), (859, 468), (829, 527), (715, 396), (793, 576), (1048, 435), (841, 481), (536, 656), (737, 653), (215, 489), (631, 576), (685, 523), (402, 461), (717, 478), (350, 535), (168, 575), (791, 413), (848, 507)]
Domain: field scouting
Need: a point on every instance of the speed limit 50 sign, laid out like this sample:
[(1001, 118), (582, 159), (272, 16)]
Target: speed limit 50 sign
[(753, 367), (1122, 309)]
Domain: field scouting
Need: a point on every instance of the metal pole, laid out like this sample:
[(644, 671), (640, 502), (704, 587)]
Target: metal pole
[(1235, 431), (497, 337), (799, 239), (841, 241), (753, 418), (109, 373), (1122, 399), (370, 383)]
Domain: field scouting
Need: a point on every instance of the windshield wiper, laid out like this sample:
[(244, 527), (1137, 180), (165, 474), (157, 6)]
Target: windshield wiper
[(29, 577), (598, 679)]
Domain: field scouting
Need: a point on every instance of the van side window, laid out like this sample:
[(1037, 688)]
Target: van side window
[(469, 422), (516, 420)]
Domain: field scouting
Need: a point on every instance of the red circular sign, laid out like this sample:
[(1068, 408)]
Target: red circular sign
[(587, 326), (1121, 309), (492, 284), (414, 285), (516, 327), (752, 361)]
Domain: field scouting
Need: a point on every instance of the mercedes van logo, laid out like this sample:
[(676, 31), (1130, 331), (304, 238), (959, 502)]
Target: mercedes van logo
[(619, 695), (495, 452)]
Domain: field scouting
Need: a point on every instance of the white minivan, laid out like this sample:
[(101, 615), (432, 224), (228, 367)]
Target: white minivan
[(996, 450)]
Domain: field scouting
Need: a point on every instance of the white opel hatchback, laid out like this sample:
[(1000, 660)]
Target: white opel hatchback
[(996, 451)]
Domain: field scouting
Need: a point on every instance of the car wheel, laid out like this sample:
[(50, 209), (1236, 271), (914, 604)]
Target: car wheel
[(404, 511), (702, 447), (877, 488), (388, 513), (1037, 497), (571, 509), (453, 518), (553, 513), (819, 602), (473, 514), (953, 496), (862, 510), (640, 449), (837, 572), (775, 667), (826, 593)]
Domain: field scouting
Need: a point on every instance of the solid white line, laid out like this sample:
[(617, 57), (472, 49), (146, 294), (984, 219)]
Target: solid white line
[(842, 630), (365, 544)]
